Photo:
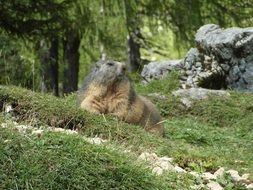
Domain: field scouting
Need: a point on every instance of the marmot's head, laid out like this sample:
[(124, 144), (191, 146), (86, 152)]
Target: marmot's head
[(109, 71)]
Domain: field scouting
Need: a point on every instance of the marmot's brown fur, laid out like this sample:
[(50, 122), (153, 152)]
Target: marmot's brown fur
[(107, 89)]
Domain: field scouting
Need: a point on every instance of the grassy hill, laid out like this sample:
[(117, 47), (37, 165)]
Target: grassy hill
[(212, 133)]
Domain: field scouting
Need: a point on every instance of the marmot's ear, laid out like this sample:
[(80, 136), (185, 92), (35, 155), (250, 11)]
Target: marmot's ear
[(96, 66)]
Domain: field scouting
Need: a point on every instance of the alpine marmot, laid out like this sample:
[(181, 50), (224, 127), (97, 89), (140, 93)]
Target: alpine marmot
[(108, 90)]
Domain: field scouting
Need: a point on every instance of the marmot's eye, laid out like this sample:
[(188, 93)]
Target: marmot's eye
[(110, 63)]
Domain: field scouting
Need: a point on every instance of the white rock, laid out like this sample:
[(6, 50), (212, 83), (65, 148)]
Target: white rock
[(151, 157), (208, 176), (157, 170), (214, 185), (61, 130), (57, 129), (165, 165), (144, 156), (234, 174), (8, 108), (198, 64), (127, 151), (38, 132), (195, 174), (23, 128), (219, 172), (198, 187), (179, 169), (165, 158), (6, 141), (4, 125), (187, 102), (250, 186), (245, 176), (158, 164), (158, 95), (95, 140), (71, 132)]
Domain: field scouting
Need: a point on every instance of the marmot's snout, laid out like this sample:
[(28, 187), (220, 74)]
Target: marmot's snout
[(121, 69)]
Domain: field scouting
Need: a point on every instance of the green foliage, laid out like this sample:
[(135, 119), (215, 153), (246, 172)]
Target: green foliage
[(17, 63), (165, 86), (58, 161), (28, 107), (167, 28), (227, 112), (25, 18)]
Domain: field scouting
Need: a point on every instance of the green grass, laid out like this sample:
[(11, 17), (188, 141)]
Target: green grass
[(165, 86), (213, 133), (60, 161)]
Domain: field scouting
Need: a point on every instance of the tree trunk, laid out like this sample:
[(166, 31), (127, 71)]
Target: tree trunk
[(49, 66), (134, 55), (134, 36), (71, 60)]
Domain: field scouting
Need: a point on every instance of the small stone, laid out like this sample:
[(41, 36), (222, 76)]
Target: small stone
[(8, 108), (242, 68), (198, 64), (182, 77), (225, 67), (188, 65), (179, 169), (95, 140), (144, 156), (189, 72), (23, 128), (219, 172), (250, 186), (186, 102), (158, 96), (234, 174), (208, 176), (198, 187), (199, 69), (6, 141), (236, 70), (157, 170), (71, 132), (4, 125), (57, 129), (195, 174), (165, 158), (214, 185), (166, 165), (38, 132), (153, 157), (207, 58), (245, 176), (67, 131)]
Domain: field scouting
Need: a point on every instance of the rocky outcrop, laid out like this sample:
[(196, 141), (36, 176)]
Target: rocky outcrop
[(158, 69), (222, 58)]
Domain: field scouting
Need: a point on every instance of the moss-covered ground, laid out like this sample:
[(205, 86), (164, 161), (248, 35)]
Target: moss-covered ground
[(212, 133)]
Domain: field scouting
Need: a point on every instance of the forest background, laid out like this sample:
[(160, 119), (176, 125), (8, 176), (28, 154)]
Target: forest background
[(49, 45)]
